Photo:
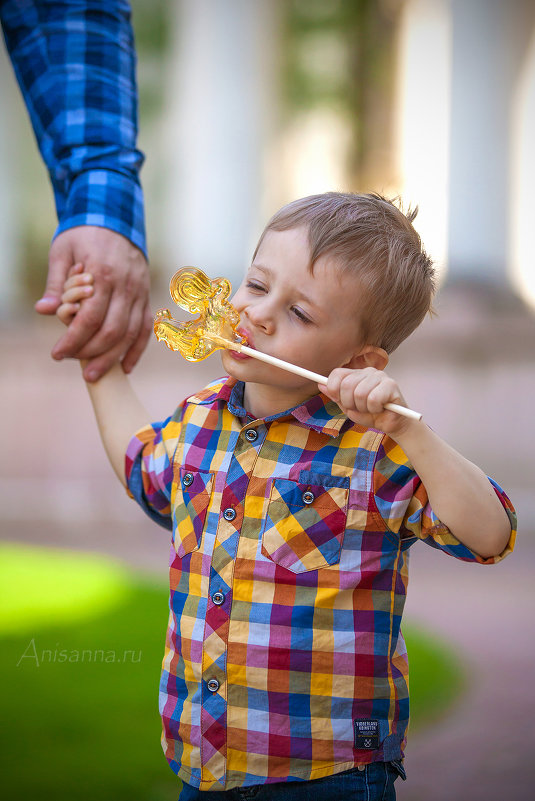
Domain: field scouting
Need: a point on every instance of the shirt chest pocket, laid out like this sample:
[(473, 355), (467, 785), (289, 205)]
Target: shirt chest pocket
[(305, 521), (190, 509)]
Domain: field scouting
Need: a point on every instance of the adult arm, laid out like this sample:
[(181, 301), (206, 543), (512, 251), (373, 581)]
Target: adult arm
[(75, 63)]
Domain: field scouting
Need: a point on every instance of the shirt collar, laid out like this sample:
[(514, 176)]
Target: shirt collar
[(319, 412)]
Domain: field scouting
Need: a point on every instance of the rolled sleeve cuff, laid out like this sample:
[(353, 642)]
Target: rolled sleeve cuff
[(439, 535), (106, 199), (135, 486)]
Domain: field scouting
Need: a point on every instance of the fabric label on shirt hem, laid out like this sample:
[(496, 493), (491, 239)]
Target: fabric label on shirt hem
[(366, 733)]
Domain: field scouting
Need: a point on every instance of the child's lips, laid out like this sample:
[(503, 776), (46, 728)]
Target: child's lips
[(244, 334)]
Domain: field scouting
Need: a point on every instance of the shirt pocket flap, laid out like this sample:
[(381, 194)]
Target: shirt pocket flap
[(305, 521), (190, 509)]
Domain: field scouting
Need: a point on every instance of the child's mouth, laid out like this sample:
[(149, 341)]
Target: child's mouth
[(245, 335), (246, 340)]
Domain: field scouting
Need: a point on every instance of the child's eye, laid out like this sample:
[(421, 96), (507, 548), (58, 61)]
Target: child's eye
[(256, 287), (298, 313)]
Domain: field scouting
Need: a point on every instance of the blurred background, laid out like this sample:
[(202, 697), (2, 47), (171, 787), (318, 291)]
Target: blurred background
[(246, 105)]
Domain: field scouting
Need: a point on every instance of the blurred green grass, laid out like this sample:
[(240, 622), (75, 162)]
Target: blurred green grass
[(79, 705)]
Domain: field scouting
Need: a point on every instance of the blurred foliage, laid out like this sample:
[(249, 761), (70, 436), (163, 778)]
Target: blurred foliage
[(151, 25), (88, 725), (342, 53)]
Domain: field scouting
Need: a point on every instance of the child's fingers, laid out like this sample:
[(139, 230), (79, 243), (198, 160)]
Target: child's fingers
[(385, 392), (66, 312), (355, 390), (80, 279), (76, 293), (334, 381), (76, 268)]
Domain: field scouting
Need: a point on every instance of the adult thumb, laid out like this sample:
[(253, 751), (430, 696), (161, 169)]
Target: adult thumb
[(51, 298)]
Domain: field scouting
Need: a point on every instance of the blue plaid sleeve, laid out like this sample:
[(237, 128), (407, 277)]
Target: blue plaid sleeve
[(75, 64)]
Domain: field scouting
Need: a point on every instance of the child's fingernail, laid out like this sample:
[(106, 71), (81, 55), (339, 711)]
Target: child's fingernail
[(92, 375)]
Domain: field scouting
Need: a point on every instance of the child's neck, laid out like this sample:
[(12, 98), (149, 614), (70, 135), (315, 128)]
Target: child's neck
[(266, 400)]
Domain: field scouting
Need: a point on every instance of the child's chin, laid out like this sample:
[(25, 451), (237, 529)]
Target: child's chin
[(234, 368), (246, 370)]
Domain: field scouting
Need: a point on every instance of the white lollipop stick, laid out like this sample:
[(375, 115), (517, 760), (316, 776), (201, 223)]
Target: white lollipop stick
[(294, 368)]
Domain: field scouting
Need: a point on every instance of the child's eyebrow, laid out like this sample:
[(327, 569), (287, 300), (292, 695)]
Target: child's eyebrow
[(262, 268), (299, 294)]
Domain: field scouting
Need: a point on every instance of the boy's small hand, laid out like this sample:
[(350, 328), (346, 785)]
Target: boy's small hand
[(362, 395), (77, 287)]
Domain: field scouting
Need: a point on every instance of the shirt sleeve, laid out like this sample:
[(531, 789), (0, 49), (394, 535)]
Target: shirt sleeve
[(149, 467), (75, 64), (403, 503)]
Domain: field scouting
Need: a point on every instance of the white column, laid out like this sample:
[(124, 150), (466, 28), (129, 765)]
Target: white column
[(424, 72), (523, 183), (218, 121), (489, 37)]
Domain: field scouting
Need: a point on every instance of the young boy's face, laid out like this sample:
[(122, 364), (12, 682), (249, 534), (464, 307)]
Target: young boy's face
[(310, 319)]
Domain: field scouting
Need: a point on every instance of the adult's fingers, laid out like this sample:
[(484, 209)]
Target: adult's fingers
[(116, 325), (113, 319), (100, 364), (84, 326), (60, 261), (133, 354)]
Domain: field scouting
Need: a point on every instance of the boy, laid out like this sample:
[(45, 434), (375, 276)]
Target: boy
[(285, 674)]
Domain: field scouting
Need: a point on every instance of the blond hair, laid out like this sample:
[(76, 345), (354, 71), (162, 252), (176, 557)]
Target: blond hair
[(371, 236)]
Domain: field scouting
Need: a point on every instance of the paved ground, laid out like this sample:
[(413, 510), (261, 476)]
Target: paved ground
[(482, 750), (472, 375)]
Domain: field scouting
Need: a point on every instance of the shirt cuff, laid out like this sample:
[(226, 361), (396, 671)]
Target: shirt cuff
[(513, 522), (439, 535), (139, 486), (106, 199)]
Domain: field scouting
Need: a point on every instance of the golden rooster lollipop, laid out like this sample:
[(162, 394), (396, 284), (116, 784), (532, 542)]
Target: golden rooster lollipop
[(193, 291), (215, 328)]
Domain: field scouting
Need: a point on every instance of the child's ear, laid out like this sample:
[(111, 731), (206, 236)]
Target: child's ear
[(369, 356)]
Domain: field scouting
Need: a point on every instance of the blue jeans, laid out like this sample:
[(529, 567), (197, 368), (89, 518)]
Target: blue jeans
[(374, 783)]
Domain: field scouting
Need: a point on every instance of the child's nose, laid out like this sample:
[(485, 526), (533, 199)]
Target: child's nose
[(261, 316)]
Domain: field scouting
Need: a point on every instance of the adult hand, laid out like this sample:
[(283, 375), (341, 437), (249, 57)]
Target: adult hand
[(115, 323)]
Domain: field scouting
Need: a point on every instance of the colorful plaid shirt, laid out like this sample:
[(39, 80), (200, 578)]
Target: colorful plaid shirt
[(75, 64), (284, 657)]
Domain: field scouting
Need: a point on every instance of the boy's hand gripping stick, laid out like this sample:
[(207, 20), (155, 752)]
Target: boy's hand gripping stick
[(215, 328)]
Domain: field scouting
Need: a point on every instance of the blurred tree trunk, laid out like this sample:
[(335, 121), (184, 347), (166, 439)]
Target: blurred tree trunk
[(371, 32), (341, 56), (11, 278)]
